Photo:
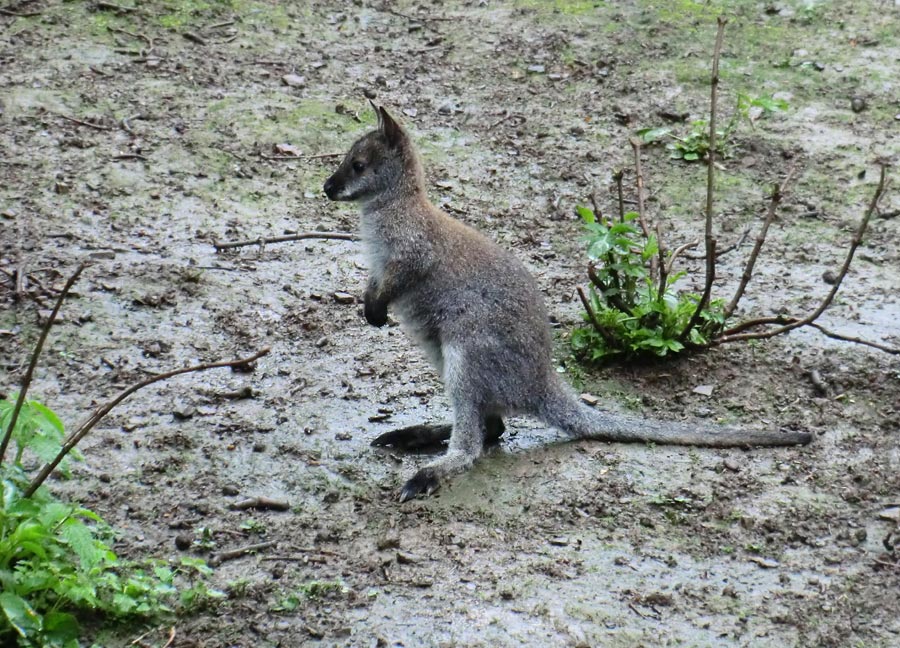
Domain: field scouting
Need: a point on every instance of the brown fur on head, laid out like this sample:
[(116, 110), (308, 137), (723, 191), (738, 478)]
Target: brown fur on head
[(381, 161)]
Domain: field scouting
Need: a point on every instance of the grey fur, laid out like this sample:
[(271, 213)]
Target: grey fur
[(478, 314)]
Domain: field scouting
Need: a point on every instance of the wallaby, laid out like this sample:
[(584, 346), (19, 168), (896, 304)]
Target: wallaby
[(479, 316)]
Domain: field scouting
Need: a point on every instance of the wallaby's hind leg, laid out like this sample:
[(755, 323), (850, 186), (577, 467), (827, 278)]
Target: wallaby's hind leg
[(420, 437), (466, 443)]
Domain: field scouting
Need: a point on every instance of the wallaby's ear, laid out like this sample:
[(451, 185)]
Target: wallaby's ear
[(377, 110), (390, 128)]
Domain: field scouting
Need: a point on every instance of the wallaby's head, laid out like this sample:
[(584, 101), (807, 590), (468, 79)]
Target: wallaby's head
[(379, 162)]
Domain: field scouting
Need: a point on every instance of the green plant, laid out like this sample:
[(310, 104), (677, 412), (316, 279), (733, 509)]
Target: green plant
[(312, 591), (628, 313), (695, 144), (55, 558)]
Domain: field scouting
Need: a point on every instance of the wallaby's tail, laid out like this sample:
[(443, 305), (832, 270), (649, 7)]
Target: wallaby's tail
[(562, 410)]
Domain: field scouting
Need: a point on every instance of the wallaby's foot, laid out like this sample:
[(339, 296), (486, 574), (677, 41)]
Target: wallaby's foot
[(415, 437), (424, 482), (421, 437)]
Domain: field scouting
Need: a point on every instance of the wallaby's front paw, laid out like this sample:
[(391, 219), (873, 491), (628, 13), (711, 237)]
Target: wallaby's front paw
[(423, 482), (375, 312)]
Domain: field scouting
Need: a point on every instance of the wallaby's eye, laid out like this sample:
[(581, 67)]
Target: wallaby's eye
[(359, 166)]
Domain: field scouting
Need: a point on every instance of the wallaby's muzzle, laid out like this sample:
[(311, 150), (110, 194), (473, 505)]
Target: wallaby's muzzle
[(332, 187)]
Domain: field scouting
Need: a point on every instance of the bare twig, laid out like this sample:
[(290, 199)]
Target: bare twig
[(104, 409), (321, 156), (639, 182), (855, 340), (809, 319), (300, 236), (109, 6), (17, 14), (707, 290), (194, 38), (618, 176), (678, 252), (130, 156), (29, 373), (260, 503), (725, 250), (224, 556), (171, 638), (100, 127), (142, 37), (777, 195), (710, 184), (610, 339), (507, 116), (730, 334), (663, 274), (21, 280)]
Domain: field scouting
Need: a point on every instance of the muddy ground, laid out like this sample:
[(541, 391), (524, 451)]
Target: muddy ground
[(521, 110)]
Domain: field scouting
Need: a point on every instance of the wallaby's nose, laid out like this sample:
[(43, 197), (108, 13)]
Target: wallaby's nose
[(329, 188)]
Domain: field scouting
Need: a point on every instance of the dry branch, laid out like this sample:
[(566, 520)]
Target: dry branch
[(26, 381), (618, 176), (610, 339), (809, 319), (777, 195), (260, 503), (343, 236), (642, 216), (707, 291), (678, 252), (663, 272), (104, 409), (223, 556), (710, 184)]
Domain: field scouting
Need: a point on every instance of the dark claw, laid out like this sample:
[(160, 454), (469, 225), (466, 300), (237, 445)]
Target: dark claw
[(423, 482), (414, 437)]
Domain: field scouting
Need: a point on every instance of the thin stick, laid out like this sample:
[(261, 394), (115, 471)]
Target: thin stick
[(777, 195), (707, 290), (342, 236), (171, 637), (29, 373), (103, 410), (593, 317), (223, 556), (663, 274), (730, 334), (618, 176), (724, 250), (809, 319), (16, 14), (642, 219), (855, 340), (678, 252), (710, 183), (639, 182), (83, 123), (320, 156)]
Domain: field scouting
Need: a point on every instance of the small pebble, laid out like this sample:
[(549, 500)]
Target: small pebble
[(183, 541), (294, 80), (858, 104), (344, 298), (230, 490)]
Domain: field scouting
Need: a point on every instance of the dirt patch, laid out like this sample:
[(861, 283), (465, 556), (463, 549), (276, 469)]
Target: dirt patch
[(521, 109)]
